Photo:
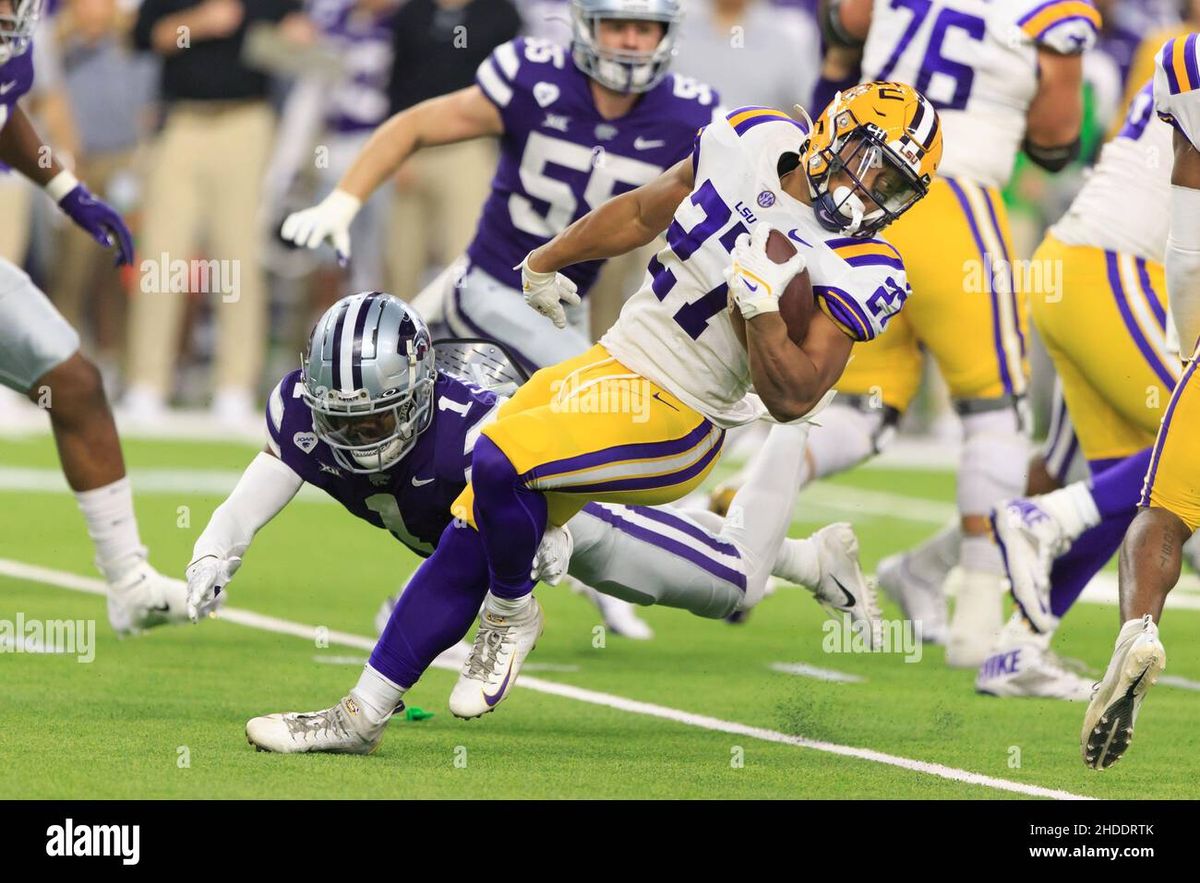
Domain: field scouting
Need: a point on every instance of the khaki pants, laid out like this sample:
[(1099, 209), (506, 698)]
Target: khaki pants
[(15, 195), (203, 191), (83, 281), (439, 194)]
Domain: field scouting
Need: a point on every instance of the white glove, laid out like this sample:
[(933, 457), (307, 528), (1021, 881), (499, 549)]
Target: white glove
[(329, 219), (553, 555), (547, 292), (755, 281), (206, 577)]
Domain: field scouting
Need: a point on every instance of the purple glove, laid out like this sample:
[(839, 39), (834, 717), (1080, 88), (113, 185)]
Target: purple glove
[(98, 218)]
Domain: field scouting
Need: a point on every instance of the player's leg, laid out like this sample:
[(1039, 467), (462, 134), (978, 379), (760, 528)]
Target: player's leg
[(169, 232), (434, 612), (1150, 563), (588, 429), (39, 357)]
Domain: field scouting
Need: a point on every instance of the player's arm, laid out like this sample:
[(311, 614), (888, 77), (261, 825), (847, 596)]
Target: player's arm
[(22, 148), (1055, 116), (844, 26), (1182, 260), (267, 485), (447, 119), (620, 225), (791, 380)]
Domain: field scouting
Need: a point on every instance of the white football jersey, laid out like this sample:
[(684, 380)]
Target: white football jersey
[(1122, 205), (1177, 86), (677, 330), (976, 61)]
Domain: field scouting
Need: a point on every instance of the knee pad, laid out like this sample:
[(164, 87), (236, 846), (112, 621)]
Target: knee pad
[(995, 454), (846, 434)]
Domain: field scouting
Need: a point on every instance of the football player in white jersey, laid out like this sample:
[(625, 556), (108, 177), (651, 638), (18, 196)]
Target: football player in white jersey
[(870, 157), (1005, 76), (1152, 552)]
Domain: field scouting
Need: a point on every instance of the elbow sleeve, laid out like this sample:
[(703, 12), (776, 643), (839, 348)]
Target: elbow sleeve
[(266, 486)]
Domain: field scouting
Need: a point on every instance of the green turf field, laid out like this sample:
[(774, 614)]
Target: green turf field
[(162, 715)]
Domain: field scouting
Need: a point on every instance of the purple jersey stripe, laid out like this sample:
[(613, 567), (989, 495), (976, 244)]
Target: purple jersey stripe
[(843, 316), (1164, 427), (1016, 318), (831, 295), (716, 568), (1001, 356), (617, 453), (1160, 313), (746, 125), (875, 260), (693, 530), (1189, 62), (1168, 66), (1131, 325), (645, 483)]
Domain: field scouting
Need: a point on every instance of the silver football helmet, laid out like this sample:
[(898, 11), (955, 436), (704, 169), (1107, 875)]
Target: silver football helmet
[(620, 70), (368, 378), (17, 23)]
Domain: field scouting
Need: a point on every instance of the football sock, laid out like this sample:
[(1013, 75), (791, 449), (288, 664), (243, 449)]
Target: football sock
[(505, 606), (1072, 508), (112, 526), (511, 520), (761, 511), (377, 694), (937, 556), (980, 554), (436, 609), (1074, 569), (798, 562)]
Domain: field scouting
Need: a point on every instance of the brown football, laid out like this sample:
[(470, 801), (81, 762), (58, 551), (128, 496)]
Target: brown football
[(796, 304)]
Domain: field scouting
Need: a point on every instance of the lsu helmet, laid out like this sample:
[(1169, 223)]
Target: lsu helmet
[(16, 28), (369, 376), (620, 70), (890, 126)]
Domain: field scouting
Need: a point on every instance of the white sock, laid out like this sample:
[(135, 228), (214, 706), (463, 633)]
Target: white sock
[(377, 695), (798, 562), (979, 553), (1072, 507), (505, 606), (112, 526), (936, 557)]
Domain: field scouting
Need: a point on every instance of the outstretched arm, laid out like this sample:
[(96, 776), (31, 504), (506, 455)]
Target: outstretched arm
[(620, 225), (266, 486)]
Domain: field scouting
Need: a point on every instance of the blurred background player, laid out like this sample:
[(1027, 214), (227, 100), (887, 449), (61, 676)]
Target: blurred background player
[(1005, 77), (577, 126), (1170, 503), (1116, 380), (40, 358)]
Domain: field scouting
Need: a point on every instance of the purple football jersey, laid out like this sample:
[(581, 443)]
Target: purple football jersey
[(412, 499), (364, 43), (16, 78), (559, 158)]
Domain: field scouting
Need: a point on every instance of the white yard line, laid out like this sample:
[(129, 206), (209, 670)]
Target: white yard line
[(62, 579), (804, 670)]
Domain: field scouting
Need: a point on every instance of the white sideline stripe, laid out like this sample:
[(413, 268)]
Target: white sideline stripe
[(804, 670), (1176, 681), (62, 579)]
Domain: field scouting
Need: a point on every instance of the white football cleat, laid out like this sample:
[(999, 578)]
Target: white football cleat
[(1138, 660), (342, 729), (501, 646), (619, 616), (1022, 664), (921, 601), (842, 587), (1029, 539), (143, 598), (978, 617)]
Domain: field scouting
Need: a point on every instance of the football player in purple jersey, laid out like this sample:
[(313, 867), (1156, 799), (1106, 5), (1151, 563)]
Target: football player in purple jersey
[(576, 125), (40, 357), (372, 420)]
